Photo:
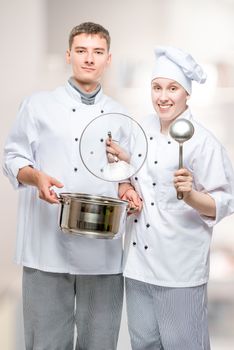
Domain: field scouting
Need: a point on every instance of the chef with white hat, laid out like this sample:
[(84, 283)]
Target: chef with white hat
[(167, 244)]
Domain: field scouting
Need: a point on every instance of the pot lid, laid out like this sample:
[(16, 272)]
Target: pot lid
[(113, 147)]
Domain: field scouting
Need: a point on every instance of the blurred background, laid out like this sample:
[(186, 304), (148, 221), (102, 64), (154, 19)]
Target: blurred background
[(34, 40)]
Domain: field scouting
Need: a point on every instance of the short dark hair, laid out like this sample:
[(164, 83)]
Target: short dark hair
[(89, 28)]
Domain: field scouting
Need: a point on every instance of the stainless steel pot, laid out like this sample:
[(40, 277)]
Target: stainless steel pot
[(91, 216)]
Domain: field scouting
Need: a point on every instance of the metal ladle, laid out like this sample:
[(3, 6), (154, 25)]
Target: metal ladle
[(181, 130)]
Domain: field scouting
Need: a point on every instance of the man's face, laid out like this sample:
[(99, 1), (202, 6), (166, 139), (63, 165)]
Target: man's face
[(88, 57)]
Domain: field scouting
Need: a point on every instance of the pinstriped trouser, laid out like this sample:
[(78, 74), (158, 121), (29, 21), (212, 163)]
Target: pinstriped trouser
[(162, 318), (50, 314)]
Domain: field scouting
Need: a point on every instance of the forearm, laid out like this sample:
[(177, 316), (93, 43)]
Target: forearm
[(42, 181), (28, 176), (202, 202)]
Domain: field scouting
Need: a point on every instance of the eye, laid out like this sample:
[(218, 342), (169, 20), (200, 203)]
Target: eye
[(80, 51), (99, 52), (173, 88), (156, 88)]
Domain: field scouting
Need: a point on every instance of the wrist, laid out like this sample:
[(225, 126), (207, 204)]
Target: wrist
[(188, 195), (37, 177), (127, 190)]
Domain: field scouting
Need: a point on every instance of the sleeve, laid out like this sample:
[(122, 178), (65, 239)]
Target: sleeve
[(215, 176), (20, 144)]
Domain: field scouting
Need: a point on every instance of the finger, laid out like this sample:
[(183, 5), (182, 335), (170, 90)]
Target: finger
[(47, 196), (137, 201), (56, 183), (54, 197), (182, 171), (183, 179), (184, 188), (110, 158), (112, 150), (132, 196), (183, 184)]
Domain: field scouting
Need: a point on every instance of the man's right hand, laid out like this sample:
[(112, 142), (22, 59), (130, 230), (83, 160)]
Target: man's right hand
[(44, 183)]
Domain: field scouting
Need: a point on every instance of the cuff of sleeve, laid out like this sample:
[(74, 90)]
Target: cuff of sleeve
[(123, 181), (221, 211), (16, 166)]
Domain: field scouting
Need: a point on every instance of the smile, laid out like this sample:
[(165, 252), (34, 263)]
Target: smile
[(165, 106)]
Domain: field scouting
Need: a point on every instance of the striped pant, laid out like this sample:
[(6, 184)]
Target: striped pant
[(162, 318), (50, 314)]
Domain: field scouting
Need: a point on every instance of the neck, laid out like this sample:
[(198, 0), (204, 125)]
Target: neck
[(87, 98), (165, 124), (85, 87)]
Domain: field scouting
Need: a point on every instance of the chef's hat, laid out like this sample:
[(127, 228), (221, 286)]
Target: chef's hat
[(175, 64)]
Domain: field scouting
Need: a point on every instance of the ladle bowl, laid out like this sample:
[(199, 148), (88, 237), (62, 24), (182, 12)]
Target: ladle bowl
[(181, 130)]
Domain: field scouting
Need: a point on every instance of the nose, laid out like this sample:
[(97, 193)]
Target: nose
[(89, 58), (163, 95)]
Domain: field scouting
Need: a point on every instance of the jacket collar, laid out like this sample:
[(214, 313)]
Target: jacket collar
[(74, 94)]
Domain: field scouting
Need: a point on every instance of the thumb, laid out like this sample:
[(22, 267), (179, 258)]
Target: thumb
[(56, 183)]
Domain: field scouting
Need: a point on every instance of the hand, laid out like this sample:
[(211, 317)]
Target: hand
[(183, 181), (115, 152), (134, 201), (44, 184)]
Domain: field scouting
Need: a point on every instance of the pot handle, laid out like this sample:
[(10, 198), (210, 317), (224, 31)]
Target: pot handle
[(62, 200), (131, 210)]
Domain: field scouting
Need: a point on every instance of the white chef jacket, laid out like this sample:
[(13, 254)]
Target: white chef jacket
[(46, 136), (168, 243)]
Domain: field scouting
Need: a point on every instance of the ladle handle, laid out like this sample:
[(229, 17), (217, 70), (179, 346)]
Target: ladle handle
[(180, 194)]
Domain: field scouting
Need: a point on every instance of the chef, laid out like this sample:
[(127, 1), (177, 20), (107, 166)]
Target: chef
[(168, 243), (41, 159)]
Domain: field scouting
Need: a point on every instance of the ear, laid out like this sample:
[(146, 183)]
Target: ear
[(187, 97), (109, 59), (68, 56)]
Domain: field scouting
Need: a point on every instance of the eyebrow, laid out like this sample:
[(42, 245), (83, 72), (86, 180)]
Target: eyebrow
[(172, 83), (85, 48)]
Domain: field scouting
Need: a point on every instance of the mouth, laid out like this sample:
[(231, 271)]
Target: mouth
[(88, 69), (165, 107)]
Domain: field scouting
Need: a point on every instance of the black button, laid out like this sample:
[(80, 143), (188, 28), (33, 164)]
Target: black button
[(102, 111), (101, 140), (151, 138), (168, 142), (136, 178), (146, 247), (148, 225), (73, 109), (155, 162), (154, 184), (152, 203), (75, 169), (135, 220), (76, 139), (134, 243), (139, 155)]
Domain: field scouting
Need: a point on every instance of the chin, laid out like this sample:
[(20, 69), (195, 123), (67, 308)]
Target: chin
[(166, 117)]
